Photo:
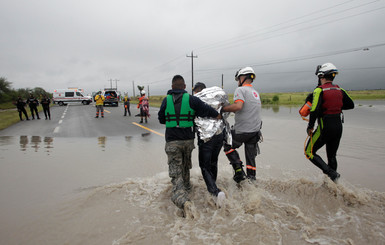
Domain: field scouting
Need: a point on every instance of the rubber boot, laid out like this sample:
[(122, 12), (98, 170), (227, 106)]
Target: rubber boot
[(317, 160), (239, 174)]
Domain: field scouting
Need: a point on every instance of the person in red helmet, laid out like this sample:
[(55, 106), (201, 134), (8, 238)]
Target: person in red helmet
[(328, 102)]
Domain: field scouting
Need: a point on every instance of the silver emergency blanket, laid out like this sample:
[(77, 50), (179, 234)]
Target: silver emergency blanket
[(208, 127)]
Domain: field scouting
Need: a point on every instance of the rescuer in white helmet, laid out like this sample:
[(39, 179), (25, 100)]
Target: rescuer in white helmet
[(247, 126), (328, 102)]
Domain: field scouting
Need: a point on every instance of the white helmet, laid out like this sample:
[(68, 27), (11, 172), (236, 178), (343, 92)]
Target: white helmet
[(143, 92), (326, 69), (245, 71)]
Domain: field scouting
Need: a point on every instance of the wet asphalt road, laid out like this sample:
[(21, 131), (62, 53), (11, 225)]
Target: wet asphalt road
[(75, 120)]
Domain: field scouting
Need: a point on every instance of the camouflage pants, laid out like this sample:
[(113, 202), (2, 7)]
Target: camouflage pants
[(179, 165)]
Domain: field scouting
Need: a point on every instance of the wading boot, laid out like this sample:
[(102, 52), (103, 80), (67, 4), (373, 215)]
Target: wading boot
[(333, 175), (239, 174)]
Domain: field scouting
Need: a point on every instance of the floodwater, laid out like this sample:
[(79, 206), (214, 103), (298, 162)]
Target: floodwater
[(116, 190)]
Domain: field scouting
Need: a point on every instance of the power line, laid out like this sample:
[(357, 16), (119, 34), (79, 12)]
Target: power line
[(299, 58), (279, 24), (215, 44), (231, 44)]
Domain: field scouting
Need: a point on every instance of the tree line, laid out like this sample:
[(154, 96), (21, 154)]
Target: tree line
[(9, 94)]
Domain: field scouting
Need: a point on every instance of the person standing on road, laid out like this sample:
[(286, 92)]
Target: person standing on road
[(177, 112), (247, 126), (143, 106), (45, 102), (33, 104), (328, 102), (20, 104), (99, 100), (208, 153), (126, 103)]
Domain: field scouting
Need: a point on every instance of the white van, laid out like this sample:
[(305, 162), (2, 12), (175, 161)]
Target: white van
[(64, 96)]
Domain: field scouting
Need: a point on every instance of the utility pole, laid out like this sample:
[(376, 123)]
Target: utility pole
[(222, 81), (192, 69), (133, 88), (148, 90), (116, 83), (110, 82)]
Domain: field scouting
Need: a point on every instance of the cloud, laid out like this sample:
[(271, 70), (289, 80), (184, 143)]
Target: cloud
[(55, 44)]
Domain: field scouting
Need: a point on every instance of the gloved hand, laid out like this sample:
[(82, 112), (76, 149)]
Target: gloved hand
[(309, 131)]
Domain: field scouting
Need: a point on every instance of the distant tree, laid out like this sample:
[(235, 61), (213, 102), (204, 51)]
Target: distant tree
[(39, 92), (5, 90), (8, 94), (23, 92), (275, 98)]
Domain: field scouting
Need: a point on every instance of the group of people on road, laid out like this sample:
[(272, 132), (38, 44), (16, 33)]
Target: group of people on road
[(179, 109), (143, 105), (33, 104)]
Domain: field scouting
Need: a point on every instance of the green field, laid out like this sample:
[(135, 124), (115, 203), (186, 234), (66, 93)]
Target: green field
[(298, 98), (292, 98), (9, 117)]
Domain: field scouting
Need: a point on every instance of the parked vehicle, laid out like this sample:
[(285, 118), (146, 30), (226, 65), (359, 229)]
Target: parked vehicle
[(111, 96), (64, 96)]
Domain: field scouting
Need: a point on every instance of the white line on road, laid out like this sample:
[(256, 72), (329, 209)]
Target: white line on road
[(60, 122), (56, 130)]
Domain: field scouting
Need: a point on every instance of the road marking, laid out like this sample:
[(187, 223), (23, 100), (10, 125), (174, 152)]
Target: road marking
[(148, 129), (56, 130), (107, 111), (60, 122)]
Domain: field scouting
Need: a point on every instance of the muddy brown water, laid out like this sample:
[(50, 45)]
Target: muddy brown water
[(116, 190)]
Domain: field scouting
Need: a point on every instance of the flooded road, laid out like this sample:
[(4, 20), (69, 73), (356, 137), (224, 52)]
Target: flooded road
[(114, 188)]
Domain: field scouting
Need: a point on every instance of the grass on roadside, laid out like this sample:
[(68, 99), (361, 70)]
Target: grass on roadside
[(8, 118)]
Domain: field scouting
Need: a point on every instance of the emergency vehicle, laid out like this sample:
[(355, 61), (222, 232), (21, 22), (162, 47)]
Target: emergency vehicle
[(111, 96), (71, 95)]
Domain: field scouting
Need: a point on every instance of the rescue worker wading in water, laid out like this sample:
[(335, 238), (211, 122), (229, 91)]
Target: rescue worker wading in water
[(247, 126), (178, 111), (328, 102)]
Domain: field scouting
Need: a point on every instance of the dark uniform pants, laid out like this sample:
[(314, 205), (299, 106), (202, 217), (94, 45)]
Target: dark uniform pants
[(179, 165), (328, 132), (251, 150), (47, 112), (208, 161), (127, 109), (34, 109), (22, 110)]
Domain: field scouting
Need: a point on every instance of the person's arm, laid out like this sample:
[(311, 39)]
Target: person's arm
[(347, 101), (202, 109), (315, 110), (161, 113), (236, 106)]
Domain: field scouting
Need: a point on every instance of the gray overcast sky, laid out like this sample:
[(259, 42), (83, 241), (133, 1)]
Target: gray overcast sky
[(84, 43)]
